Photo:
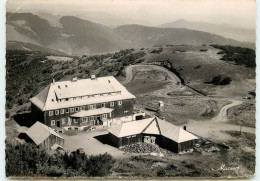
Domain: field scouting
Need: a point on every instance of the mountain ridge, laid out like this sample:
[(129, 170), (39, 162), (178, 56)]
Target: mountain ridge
[(75, 36), (225, 30)]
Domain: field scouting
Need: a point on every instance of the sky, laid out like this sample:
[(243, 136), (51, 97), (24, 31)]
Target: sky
[(240, 13)]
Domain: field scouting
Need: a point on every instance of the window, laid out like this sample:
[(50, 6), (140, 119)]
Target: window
[(53, 122), (103, 105), (62, 111), (133, 136), (112, 104), (119, 103), (75, 120), (63, 121), (92, 118), (77, 109), (50, 113), (57, 112), (91, 106), (82, 108), (67, 110), (104, 116), (84, 120), (72, 109), (81, 120)]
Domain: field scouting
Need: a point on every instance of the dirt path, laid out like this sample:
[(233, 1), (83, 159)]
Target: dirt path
[(222, 116), (215, 128), (172, 78), (129, 72)]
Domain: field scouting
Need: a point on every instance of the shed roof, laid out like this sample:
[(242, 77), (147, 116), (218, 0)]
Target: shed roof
[(154, 126), (130, 128), (39, 132), (92, 112), (48, 98), (173, 132)]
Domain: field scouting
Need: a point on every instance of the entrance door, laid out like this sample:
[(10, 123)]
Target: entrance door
[(58, 124), (99, 120)]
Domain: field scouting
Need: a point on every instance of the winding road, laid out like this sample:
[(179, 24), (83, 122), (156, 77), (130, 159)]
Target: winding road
[(215, 128), (129, 72)]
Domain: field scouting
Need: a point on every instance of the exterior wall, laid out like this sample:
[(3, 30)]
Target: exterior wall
[(50, 141), (161, 141), (175, 147), (126, 109), (114, 141), (186, 145), (36, 114), (169, 144), (128, 140)]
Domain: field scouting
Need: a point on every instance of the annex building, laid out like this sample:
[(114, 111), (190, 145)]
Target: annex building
[(43, 136), (152, 130), (80, 103)]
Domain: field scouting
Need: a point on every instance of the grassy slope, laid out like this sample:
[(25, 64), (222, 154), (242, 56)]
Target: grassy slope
[(197, 67)]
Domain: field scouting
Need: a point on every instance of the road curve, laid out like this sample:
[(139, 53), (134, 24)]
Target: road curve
[(129, 72), (222, 116)]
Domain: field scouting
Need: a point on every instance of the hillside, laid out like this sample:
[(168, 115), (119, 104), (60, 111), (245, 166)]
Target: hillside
[(13, 45), (71, 35), (84, 35), (225, 30), (143, 36)]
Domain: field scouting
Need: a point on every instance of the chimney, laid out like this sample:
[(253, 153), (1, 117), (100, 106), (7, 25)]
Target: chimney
[(93, 77), (53, 81), (185, 127), (74, 79)]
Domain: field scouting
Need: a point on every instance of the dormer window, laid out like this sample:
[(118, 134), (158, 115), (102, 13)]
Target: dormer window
[(52, 100), (58, 86), (66, 86)]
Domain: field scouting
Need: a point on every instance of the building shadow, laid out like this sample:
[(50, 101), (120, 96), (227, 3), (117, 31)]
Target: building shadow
[(24, 119), (104, 139)]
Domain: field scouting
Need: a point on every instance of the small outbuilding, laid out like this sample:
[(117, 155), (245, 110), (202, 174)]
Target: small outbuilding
[(154, 131), (43, 136)]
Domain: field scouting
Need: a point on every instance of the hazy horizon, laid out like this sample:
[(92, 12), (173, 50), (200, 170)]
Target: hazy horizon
[(144, 12)]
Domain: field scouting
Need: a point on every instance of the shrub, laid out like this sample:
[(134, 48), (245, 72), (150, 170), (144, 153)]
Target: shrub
[(161, 172), (99, 165)]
